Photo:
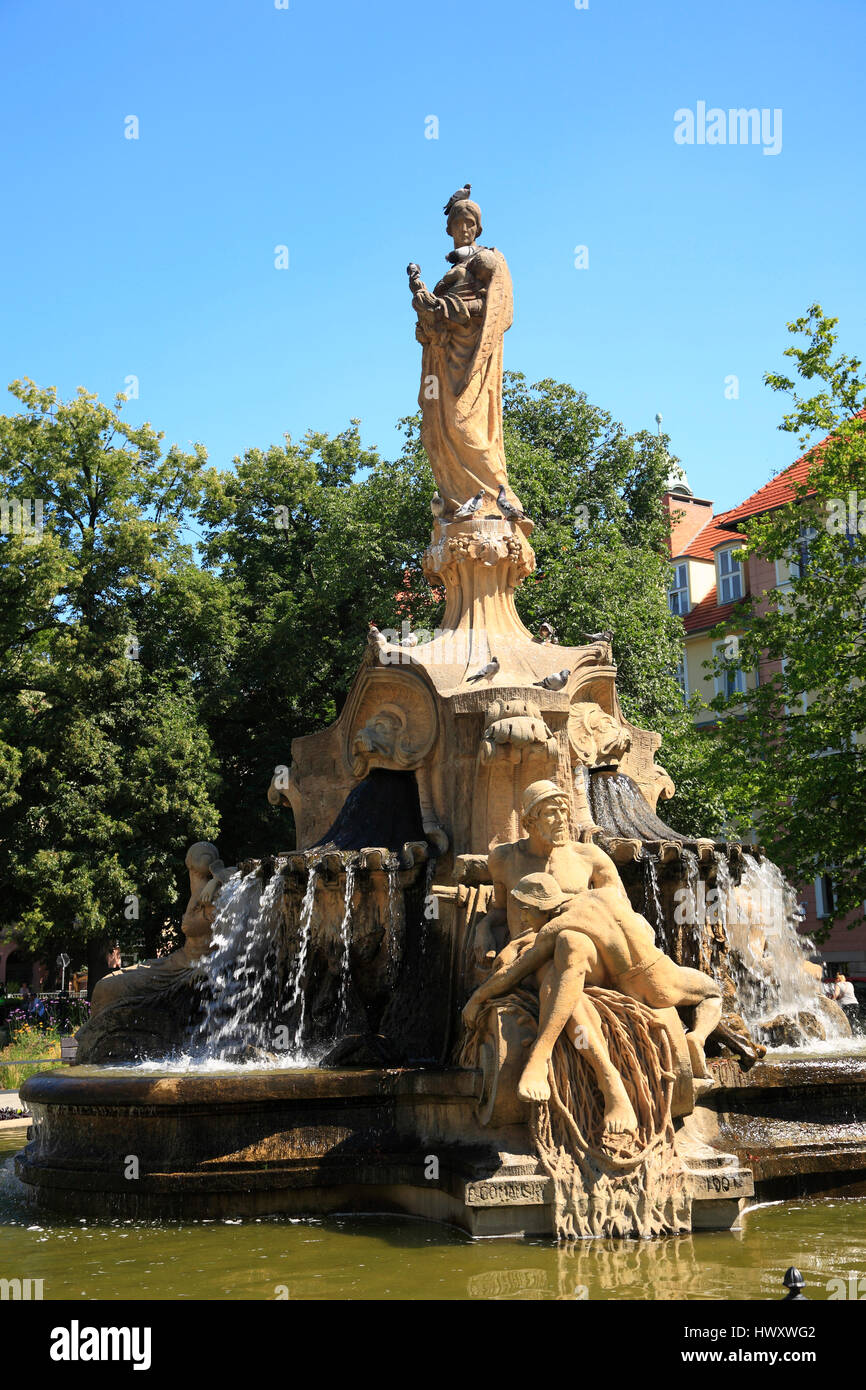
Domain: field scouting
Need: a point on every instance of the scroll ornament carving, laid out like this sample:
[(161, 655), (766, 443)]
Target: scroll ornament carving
[(515, 724), (390, 721), (657, 786), (595, 736)]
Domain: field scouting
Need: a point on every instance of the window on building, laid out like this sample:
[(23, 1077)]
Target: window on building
[(730, 577), (802, 556), (797, 559), (732, 681), (682, 677), (678, 590), (824, 899)]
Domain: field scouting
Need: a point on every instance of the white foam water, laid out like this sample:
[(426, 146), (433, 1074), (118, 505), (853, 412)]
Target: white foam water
[(394, 928), (771, 982), (345, 944), (244, 930), (297, 995)]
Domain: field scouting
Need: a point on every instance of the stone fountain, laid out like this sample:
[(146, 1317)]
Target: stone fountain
[(490, 986)]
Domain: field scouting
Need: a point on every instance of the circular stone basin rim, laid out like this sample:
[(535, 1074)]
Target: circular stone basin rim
[(87, 1086)]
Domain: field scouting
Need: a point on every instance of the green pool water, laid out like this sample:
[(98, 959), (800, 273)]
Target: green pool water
[(396, 1258)]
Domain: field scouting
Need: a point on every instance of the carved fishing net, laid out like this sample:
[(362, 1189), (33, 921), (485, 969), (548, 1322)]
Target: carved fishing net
[(615, 1185)]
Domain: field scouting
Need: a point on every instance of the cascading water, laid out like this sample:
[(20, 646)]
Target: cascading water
[(736, 919), (722, 900), (427, 914), (653, 904), (245, 929), (346, 943), (774, 990), (395, 919), (297, 993), (695, 915)]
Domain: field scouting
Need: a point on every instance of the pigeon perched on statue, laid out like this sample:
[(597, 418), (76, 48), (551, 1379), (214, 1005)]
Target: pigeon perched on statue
[(598, 636), (556, 681), (471, 507), (459, 197), (510, 512), (487, 672)]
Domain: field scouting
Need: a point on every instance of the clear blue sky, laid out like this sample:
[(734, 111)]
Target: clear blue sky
[(306, 127)]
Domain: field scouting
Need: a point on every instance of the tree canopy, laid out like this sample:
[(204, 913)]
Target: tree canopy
[(107, 768), (795, 752)]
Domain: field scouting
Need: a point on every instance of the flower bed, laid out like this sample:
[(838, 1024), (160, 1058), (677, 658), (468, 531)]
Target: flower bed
[(28, 1042)]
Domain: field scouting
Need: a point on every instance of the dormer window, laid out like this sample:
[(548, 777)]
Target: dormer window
[(730, 576), (678, 590)]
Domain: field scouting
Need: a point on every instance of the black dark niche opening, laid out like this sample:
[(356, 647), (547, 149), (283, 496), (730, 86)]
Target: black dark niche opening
[(383, 811)]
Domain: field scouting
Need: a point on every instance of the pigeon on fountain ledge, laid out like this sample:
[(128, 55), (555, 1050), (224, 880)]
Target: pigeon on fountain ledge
[(510, 512), (487, 672), (471, 507), (556, 681), (376, 639)]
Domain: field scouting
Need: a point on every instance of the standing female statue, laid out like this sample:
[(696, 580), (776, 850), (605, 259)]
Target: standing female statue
[(460, 327)]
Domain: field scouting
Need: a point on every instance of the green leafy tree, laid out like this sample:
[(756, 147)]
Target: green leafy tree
[(795, 752), (106, 769), (594, 492), (312, 541)]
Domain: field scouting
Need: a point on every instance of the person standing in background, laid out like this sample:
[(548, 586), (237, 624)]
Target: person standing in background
[(846, 998)]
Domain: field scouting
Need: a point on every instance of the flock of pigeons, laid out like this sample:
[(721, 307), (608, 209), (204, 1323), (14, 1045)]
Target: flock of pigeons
[(508, 510), (557, 681)]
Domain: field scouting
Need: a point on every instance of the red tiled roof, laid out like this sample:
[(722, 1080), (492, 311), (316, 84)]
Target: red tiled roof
[(701, 546), (707, 613), (773, 494), (778, 490)]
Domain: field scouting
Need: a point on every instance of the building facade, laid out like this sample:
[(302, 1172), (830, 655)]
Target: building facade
[(706, 583)]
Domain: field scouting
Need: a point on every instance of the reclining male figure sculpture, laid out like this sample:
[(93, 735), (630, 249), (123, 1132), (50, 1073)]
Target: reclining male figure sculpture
[(571, 924)]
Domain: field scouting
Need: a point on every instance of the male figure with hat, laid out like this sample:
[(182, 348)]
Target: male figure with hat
[(571, 924)]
